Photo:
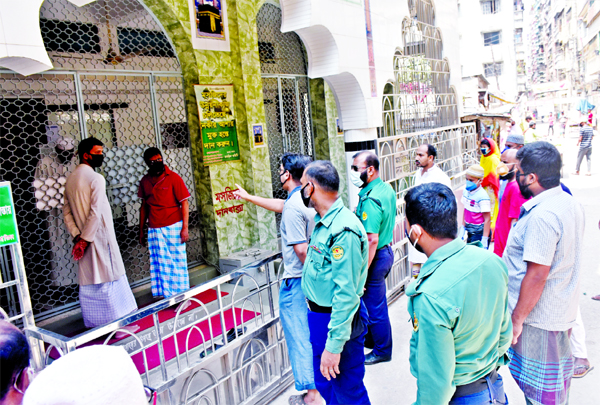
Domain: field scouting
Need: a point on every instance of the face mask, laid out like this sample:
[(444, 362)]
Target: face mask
[(284, 181), (156, 167), (415, 245), (471, 186), (96, 160), (508, 176), (356, 178), (484, 151), (305, 199), (524, 189)]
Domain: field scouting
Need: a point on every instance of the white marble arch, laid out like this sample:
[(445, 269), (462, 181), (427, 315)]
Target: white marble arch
[(21, 46)]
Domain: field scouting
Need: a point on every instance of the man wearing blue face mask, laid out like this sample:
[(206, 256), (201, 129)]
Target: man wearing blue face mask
[(477, 216)]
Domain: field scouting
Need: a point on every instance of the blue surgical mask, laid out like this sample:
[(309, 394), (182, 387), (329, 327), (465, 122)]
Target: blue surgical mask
[(471, 186), (484, 151)]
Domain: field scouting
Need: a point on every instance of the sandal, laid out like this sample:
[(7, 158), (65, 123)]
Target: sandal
[(582, 370), (297, 400)]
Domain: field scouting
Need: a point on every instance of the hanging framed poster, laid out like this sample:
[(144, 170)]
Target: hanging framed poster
[(258, 132), (210, 28), (217, 123)]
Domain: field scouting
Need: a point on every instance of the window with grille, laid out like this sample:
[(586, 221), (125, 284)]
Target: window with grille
[(490, 6), (492, 38), (266, 52), (70, 36), (492, 69), (519, 36), (135, 41)]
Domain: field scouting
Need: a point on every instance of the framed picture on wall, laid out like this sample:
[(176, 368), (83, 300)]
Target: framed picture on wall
[(210, 28)]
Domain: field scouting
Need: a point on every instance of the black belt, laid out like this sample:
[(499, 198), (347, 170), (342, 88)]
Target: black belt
[(314, 307), (476, 386)]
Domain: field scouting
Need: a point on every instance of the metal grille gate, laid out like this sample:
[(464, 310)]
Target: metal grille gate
[(116, 78), (286, 92)]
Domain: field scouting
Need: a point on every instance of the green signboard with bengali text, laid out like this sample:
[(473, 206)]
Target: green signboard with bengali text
[(8, 221)]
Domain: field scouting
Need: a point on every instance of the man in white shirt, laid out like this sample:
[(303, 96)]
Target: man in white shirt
[(427, 172)]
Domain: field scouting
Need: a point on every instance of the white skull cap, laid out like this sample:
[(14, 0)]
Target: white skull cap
[(66, 143), (94, 375)]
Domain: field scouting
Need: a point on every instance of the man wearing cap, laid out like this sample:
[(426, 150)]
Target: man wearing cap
[(50, 176), (515, 141), (165, 207), (531, 134), (333, 281), (427, 172), (377, 211), (477, 216)]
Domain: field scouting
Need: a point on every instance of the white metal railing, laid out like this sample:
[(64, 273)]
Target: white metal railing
[(456, 147)]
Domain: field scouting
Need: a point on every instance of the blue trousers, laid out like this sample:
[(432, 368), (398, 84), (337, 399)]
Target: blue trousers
[(294, 320), (348, 387), (378, 321), (493, 395)]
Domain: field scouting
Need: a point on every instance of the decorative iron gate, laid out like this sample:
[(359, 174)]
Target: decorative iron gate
[(286, 92), (116, 78)]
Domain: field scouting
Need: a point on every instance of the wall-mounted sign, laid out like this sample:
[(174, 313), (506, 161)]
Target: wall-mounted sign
[(8, 220), (217, 123), (258, 130), (226, 195), (338, 126), (210, 29), (234, 209)]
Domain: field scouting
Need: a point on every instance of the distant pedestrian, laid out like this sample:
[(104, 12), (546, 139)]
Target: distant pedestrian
[(458, 306), (490, 159), (543, 255), (104, 292), (477, 217), (510, 205), (297, 223), (427, 172), (335, 272), (165, 207), (531, 134), (377, 211), (551, 124), (586, 134), (15, 375), (514, 128)]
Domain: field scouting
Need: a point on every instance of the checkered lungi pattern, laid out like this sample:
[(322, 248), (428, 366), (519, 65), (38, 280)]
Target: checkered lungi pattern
[(105, 302), (542, 365), (168, 261)]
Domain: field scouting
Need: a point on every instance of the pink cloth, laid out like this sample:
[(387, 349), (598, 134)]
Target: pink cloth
[(510, 208)]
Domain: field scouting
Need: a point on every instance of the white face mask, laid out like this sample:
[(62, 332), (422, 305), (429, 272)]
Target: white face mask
[(355, 179)]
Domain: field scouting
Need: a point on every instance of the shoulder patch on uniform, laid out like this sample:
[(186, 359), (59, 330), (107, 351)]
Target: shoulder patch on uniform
[(364, 215), (415, 323), (337, 252)]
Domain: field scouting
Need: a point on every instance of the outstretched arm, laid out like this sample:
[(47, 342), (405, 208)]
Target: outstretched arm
[(271, 204)]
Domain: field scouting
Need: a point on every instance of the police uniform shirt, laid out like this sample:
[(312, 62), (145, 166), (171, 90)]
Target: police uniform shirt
[(377, 210)]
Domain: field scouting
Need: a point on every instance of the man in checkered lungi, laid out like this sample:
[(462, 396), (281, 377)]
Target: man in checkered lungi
[(165, 207)]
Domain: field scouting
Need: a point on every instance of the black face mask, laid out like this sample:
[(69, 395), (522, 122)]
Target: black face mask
[(524, 189), (96, 160), (285, 181), (508, 176), (305, 200), (363, 176), (64, 156), (157, 167)]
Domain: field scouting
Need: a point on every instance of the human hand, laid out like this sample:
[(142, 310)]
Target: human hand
[(241, 193), (330, 364), (79, 248), (184, 235), (517, 330), (485, 241)]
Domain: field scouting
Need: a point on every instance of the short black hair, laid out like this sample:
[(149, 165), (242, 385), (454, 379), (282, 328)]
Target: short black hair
[(295, 164), (14, 355), (542, 159), (86, 145), (324, 174), (431, 150), (371, 158), (150, 153), (433, 207), (486, 142)]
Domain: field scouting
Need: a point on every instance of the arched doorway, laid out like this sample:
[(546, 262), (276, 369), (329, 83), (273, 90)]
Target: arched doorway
[(286, 91), (116, 77)]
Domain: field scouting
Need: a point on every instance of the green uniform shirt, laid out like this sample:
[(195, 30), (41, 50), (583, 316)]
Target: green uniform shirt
[(461, 322), (377, 210), (335, 270)]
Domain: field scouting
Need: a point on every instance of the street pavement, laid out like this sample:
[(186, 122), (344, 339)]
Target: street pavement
[(392, 383)]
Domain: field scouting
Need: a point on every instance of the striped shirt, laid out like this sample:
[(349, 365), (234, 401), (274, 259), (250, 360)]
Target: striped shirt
[(586, 133), (549, 232)]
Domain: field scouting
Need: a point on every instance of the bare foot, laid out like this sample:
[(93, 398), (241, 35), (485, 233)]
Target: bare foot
[(312, 397), (581, 367)]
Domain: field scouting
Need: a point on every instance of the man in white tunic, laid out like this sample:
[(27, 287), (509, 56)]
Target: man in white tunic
[(427, 172), (104, 292)]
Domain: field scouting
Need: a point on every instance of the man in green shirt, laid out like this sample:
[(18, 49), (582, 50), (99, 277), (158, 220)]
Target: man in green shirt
[(459, 307), (333, 280), (377, 211)]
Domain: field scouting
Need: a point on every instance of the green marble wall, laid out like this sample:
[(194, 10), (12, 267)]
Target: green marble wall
[(241, 66)]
